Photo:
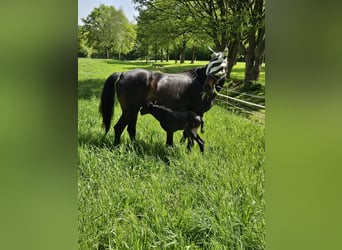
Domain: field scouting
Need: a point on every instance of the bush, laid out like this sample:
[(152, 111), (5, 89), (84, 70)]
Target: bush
[(82, 53), (98, 55)]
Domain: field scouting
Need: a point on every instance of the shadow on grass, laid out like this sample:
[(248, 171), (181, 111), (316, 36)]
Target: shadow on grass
[(180, 68), (90, 88), (140, 147), (92, 140), (166, 67)]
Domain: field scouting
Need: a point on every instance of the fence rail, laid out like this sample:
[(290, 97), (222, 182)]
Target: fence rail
[(242, 101), (254, 96)]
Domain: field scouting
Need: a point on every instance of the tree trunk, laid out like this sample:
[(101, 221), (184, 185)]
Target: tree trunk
[(248, 71), (182, 52), (176, 56), (161, 54), (167, 54), (181, 56), (257, 68), (232, 56), (193, 54), (107, 53), (253, 55), (259, 53), (155, 52), (147, 57)]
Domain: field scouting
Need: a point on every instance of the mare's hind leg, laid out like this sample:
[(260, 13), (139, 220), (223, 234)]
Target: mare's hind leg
[(169, 138), (132, 122), (119, 127)]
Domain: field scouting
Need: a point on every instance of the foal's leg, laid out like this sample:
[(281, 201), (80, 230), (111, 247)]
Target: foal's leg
[(202, 125), (169, 138), (182, 140), (187, 134), (197, 138), (190, 143), (200, 143)]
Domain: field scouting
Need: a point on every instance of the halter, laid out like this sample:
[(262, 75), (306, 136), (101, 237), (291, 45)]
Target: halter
[(215, 70), (215, 76)]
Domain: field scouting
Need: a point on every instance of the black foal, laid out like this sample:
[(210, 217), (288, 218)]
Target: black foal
[(172, 121)]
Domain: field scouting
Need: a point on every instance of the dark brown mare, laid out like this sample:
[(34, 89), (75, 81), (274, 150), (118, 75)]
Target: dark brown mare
[(192, 90)]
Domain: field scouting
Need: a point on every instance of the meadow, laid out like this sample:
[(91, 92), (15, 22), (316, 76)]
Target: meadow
[(145, 195)]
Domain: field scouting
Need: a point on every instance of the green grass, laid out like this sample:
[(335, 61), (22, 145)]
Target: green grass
[(145, 195)]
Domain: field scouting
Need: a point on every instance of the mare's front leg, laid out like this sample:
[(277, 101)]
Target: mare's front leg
[(169, 138)]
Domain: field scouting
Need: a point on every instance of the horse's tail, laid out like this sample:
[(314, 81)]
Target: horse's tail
[(107, 100)]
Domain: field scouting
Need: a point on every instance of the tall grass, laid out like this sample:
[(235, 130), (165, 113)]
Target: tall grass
[(145, 195)]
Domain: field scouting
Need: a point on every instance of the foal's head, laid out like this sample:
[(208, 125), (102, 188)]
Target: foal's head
[(146, 108), (153, 108)]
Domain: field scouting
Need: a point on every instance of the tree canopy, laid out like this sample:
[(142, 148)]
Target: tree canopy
[(238, 24), (108, 30)]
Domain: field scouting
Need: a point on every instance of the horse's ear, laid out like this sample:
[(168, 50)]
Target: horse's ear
[(146, 103), (225, 52), (214, 54), (211, 50)]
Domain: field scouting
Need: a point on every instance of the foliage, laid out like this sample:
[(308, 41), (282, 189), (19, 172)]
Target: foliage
[(145, 195), (240, 25), (108, 30), (167, 25), (82, 51)]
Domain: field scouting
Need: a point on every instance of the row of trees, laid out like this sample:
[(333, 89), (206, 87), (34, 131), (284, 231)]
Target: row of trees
[(170, 28)]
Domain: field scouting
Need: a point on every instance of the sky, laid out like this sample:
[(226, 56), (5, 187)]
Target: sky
[(86, 6)]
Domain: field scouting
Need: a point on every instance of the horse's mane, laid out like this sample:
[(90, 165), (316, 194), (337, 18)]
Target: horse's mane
[(197, 73)]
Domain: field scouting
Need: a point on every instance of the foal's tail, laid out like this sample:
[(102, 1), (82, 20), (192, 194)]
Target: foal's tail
[(107, 100)]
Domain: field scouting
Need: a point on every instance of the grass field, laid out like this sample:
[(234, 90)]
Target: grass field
[(144, 195)]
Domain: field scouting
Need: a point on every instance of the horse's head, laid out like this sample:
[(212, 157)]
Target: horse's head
[(216, 71), (145, 109)]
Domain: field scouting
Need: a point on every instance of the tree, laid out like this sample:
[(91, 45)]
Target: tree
[(239, 24), (82, 51), (220, 21), (108, 30), (254, 44), (126, 35), (165, 25)]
